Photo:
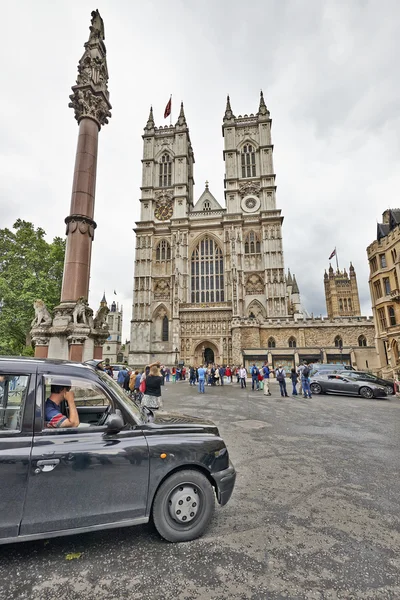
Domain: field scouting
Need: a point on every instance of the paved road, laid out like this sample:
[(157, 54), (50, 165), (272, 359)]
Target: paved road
[(314, 515)]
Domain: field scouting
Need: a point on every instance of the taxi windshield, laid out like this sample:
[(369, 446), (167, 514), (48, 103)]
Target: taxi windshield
[(124, 398)]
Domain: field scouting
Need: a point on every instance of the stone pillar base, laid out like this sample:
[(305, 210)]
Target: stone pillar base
[(76, 352), (41, 351), (71, 337), (98, 352)]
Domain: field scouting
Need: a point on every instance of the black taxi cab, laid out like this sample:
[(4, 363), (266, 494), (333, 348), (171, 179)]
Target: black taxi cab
[(120, 466)]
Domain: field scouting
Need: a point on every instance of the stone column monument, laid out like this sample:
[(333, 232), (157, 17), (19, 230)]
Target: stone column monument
[(73, 333)]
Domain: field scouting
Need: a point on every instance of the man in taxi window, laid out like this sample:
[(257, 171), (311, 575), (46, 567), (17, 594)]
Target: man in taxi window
[(53, 415)]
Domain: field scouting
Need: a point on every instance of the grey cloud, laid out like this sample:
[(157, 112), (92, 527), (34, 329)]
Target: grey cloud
[(329, 74)]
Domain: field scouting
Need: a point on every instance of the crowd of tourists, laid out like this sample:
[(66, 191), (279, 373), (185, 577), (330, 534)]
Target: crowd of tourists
[(214, 375), (145, 385)]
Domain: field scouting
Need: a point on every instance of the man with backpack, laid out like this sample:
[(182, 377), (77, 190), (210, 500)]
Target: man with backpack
[(281, 379), (254, 377), (305, 380)]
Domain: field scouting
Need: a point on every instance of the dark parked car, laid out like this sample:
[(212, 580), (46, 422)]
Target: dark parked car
[(361, 376), (121, 466), (344, 385)]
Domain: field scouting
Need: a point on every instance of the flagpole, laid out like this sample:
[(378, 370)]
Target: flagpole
[(170, 112), (337, 261)]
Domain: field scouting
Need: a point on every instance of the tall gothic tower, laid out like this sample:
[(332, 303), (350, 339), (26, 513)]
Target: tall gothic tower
[(341, 293), (161, 239), (250, 200)]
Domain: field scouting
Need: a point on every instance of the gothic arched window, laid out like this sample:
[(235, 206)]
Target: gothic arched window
[(207, 272), (163, 251), (338, 342), (271, 343), (362, 340), (248, 161), (252, 243), (165, 171), (206, 206), (292, 342), (165, 329)]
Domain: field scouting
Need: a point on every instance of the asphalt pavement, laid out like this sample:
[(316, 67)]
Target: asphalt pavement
[(314, 514)]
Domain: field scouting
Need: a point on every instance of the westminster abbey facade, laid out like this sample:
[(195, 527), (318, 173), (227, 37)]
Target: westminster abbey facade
[(210, 283)]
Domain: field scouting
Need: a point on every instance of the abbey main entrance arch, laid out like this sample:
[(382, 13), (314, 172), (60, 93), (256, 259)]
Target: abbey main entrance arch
[(206, 352)]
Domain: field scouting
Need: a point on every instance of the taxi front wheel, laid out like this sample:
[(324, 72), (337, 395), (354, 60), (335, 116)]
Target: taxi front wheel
[(183, 506)]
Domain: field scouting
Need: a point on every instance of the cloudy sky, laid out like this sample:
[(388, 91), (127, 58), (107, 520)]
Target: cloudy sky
[(330, 76)]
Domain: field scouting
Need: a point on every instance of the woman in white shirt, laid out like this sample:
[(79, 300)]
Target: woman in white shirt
[(243, 376)]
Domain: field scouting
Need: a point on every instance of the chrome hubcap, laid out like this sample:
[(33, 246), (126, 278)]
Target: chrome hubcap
[(184, 503)]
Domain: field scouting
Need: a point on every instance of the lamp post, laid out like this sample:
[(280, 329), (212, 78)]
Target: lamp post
[(203, 355), (176, 356), (341, 351)]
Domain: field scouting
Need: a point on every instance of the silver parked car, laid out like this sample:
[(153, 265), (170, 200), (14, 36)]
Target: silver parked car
[(361, 376), (346, 386)]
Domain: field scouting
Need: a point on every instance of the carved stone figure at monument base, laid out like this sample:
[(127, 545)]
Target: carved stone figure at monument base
[(42, 315), (100, 320), (79, 312)]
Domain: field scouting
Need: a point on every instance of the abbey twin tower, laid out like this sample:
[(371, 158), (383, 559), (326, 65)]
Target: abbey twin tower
[(209, 282)]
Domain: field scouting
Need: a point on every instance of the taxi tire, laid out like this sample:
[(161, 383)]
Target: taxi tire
[(167, 527)]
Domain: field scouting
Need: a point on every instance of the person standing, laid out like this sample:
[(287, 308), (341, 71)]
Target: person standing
[(127, 380), (138, 379), (192, 376), (254, 377), (243, 376), (162, 371), (167, 374), (299, 372), (281, 379), (237, 369), (228, 374), (173, 375), (266, 373), (132, 380), (152, 396), (121, 376), (305, 381), (222, 374), (216, 375), (294, 377), (202, 376)]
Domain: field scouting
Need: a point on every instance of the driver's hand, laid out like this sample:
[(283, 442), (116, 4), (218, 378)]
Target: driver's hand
[(69, 396)]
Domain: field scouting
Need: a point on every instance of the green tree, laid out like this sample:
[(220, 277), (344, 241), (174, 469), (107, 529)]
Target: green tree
[(30, 269)]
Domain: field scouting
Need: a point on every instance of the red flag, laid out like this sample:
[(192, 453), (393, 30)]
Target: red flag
[(332, 254), (167, 110)]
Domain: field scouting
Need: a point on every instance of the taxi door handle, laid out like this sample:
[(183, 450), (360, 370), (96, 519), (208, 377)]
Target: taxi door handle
[(44, 466)]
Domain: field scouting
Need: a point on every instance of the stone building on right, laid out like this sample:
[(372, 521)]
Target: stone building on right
[(384, 263)]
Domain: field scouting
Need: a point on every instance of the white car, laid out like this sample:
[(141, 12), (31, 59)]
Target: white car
[(116, 369)]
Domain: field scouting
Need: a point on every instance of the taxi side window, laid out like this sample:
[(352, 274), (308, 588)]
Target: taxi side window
[(90, 400), (13, 392)]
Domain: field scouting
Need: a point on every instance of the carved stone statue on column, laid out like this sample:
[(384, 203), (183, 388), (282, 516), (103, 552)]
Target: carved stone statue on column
[(42, 315)]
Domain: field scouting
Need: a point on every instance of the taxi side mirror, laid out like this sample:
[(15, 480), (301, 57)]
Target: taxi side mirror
[(114, 423)]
